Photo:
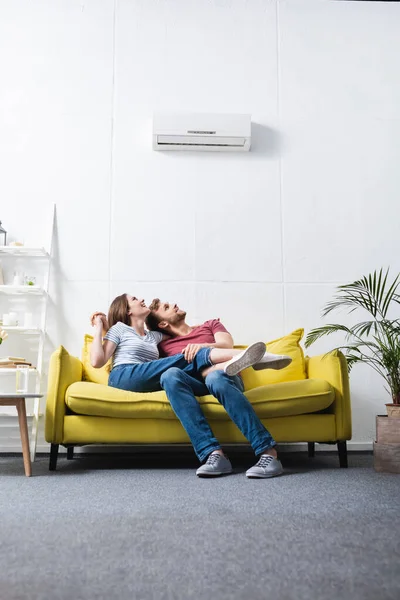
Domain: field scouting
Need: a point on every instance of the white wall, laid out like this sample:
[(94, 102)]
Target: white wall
[(260, 240)]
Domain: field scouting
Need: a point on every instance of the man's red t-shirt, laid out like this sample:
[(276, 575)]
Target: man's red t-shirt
[(203, 334)]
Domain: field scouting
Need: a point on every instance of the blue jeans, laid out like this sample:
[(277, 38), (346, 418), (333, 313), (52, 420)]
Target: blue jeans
[(145, 377), (181, 390)]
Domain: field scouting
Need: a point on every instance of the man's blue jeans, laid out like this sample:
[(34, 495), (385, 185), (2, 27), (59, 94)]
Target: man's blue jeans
[(145, 377), (181, 390)]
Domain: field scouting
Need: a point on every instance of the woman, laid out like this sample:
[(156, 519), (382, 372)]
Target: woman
[(136, 365)]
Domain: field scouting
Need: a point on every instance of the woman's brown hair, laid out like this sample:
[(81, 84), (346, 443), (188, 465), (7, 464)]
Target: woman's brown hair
[(119, 310)]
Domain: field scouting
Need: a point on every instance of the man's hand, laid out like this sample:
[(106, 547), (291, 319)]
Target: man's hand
[(191, 350), (99, 319)]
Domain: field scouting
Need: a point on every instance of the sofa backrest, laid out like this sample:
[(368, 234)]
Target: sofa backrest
[(288, 344)]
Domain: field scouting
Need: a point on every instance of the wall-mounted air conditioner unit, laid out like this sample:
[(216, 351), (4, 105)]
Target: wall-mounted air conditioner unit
[(221, 133)]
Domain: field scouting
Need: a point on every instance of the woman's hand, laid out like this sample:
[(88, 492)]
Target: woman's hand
[(191, 350), (94, 315), (99, 319)]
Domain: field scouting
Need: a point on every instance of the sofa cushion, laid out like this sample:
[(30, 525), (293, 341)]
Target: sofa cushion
[(289, 345), (89, 372), (277, 400)]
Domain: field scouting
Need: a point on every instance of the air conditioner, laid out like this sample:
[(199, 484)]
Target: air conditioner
[(203, 132)]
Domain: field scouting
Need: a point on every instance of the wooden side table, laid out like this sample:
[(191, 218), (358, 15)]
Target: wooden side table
[(18, 400)]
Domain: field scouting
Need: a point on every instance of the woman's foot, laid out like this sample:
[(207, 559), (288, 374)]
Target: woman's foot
[(251, 356)]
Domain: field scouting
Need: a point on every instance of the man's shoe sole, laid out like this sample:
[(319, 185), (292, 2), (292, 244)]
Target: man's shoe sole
[(250, 356), (275, 364), (205, 475), (264, 476)]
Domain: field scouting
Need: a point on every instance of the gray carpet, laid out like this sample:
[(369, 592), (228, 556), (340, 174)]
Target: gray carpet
[(144, 527)]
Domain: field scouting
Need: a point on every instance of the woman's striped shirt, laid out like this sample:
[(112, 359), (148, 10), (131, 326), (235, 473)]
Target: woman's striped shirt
[(132, 347)]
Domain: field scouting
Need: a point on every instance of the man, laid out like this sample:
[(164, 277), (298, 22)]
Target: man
[(182, 390)]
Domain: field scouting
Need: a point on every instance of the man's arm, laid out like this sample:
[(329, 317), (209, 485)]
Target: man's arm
[(223, 339)]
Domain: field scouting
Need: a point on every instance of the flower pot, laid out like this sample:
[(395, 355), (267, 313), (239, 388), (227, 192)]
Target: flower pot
[(387, 458), (393, 411), (387, 430), (387, 445)]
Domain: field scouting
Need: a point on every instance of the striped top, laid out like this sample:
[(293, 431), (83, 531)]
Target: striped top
[(131, 347)]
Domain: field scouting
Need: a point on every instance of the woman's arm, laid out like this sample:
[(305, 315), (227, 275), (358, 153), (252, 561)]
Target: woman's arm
[(100, 352)]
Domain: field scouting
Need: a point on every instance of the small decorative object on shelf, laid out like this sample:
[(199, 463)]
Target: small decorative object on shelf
[(22, 379), (29, 280), (3, 236), (10, 319), (3, 335), (18, 278)]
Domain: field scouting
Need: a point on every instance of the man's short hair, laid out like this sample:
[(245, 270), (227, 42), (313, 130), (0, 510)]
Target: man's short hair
[(152, 319)]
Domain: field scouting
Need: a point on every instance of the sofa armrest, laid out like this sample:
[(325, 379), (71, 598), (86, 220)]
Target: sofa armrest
[(333, 369), (63, 371)]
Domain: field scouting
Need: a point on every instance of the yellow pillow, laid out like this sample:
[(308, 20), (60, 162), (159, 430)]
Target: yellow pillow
[(89, 372), (289, 345)]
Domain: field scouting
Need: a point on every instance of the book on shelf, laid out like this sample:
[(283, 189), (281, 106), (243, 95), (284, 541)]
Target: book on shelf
[(11, 362), (13, 365)]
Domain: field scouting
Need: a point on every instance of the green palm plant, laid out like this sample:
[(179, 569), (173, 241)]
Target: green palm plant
[(376, 341)]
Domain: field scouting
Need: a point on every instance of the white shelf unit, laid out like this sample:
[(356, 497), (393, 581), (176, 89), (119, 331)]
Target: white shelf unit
[(23, 251), (28, 330), (38, 333), (31, 369), (33, 290)]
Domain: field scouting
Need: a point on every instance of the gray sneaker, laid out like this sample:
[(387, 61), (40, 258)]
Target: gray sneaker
[(272, 361), (267, 466), (216, 464), (252, 355)]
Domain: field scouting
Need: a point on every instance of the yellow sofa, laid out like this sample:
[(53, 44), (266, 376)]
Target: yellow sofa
[(309, 401)]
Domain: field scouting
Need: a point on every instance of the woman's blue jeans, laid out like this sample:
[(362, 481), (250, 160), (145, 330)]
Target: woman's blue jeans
[(145, 377)]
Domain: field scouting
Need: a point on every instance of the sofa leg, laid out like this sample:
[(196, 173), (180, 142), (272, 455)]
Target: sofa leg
[(311, 449), (53, 457), (342, 450), (70, 453)]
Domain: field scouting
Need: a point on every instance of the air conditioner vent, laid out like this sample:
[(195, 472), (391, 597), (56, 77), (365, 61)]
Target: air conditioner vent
[(202, 132)]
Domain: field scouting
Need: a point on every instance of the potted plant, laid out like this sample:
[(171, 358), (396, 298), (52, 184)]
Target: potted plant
[(375, 341)]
